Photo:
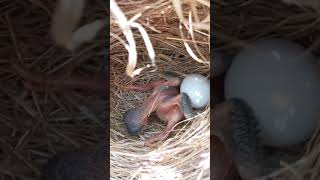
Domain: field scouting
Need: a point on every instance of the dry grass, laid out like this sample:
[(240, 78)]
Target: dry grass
[(238, 22), (34, 126), (185, 155)]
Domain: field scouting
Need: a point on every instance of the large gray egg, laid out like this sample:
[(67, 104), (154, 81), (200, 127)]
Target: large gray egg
[(197, 87), (278, 80)]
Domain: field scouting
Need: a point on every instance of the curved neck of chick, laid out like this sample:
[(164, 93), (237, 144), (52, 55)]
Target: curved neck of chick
[(149, 106)]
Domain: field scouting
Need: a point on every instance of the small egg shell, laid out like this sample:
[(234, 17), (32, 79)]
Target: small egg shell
[(197, 87), (278, 81)]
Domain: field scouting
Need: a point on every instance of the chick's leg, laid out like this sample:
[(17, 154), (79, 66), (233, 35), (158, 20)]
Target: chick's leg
[(156, 98), (152, 103), (174, 108), (163, 135)]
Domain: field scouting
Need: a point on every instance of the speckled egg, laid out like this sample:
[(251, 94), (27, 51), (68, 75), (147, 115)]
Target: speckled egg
[(197, 87), (281, 83)]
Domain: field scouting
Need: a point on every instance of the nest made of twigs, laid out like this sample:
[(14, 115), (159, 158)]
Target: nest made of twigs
[(185, 154), (37, 125)]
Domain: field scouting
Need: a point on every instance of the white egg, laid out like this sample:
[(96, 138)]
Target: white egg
[(197, 87), (280, 83)]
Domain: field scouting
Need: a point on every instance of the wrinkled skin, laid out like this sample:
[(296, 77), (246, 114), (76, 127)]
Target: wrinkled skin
[(234, 126), (166, 101)]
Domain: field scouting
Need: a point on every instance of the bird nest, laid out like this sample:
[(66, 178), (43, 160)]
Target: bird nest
[(37, 125), (238, 22), (185, 154)]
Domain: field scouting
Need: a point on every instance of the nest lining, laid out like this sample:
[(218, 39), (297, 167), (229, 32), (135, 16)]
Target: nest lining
[(35, 125), (190, 141)]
